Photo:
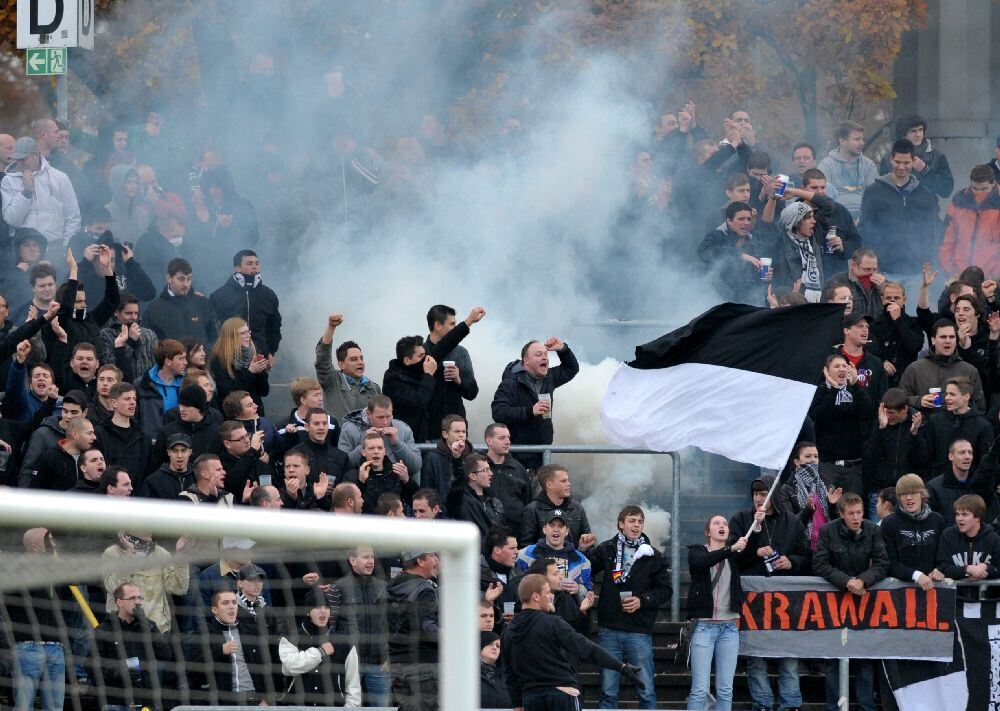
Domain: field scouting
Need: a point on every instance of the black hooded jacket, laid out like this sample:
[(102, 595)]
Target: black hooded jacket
[(945, 427), (781, 530), (841, 429), (541, 651), (174, 316), (411, 390), (165, 484), (897, 341), (648, 580)]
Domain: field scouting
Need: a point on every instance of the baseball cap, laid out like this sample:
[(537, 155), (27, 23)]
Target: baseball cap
[(178, 438), (251, 571), (24, 147), (556, 514), (407, 556), (854, 317)]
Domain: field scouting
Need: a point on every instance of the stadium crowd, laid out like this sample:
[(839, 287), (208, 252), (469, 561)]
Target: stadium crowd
[(122, 378)]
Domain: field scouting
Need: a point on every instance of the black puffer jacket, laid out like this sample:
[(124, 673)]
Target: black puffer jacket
[(516, 396), (843, 554)]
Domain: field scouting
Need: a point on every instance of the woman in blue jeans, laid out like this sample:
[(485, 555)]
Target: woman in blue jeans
[(714, 600)]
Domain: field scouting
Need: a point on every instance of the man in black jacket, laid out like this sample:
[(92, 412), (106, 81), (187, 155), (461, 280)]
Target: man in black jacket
[(555, 494), (895, 448), (469, 498), (636, 584), (175, 476), (410, 379), (438, 464), (511, 482), (871, 372), (969, 550), (455, 380), (929, 164), (526, 394), (244, 295), (131, 651), (851, 556), (56, 468), (912, 535), (233, 657), (957, 480), (411, 599), (957, 420), (497, 571), (124, 444), (243, 458), (541, 653), (178, 312), (778, 547), (896, 337), (195, 420), (319, 442), (360, 618)]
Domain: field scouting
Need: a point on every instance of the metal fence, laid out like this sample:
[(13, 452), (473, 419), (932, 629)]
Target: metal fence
[(547, 450)]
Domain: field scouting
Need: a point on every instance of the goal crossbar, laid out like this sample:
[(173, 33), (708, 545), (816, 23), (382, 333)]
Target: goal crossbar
[(456, 542)]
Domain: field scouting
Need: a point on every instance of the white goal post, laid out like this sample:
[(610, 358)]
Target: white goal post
[(457, 542)]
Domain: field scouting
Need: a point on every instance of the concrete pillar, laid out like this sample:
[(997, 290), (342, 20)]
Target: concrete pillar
[(945, 73)]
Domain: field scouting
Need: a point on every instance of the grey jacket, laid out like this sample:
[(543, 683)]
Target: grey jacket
[(403, 449), (140, 353), (340, 396)]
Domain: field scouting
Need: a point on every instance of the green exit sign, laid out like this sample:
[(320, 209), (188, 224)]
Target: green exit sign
[(41, 61)]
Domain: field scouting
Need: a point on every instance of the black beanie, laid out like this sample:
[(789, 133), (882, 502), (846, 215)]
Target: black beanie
[(193, 396), (487, 638)]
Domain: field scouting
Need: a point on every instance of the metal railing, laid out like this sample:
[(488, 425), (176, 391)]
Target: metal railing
[(547, 450)]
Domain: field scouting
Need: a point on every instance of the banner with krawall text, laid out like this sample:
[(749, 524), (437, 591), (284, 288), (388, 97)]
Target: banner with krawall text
[(806, 617)]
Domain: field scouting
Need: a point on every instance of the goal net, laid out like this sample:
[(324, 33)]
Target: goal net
[(108, 601)]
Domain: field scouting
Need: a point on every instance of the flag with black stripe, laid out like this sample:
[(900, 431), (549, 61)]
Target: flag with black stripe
[(737, 381)]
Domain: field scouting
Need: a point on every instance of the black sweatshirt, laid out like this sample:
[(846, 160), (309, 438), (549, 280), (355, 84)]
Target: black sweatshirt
[(540, 650), (912, 545)]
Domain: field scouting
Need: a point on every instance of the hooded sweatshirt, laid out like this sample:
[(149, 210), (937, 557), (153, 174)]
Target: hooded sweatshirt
[(911, 541), (850, 177), (52, 209), (957, 550), (129, 219), (541, 651)]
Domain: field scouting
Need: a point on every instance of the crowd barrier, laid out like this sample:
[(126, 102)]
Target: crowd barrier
[(547, 450)]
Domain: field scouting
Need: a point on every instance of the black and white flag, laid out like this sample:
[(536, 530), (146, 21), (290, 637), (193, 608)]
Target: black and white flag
[(737, 381)]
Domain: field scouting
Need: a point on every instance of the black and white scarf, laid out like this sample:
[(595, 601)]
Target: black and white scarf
[(251, 607), (621, 571)]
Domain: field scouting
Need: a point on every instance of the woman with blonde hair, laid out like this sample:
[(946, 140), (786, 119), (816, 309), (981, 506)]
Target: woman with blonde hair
[(235, 363)]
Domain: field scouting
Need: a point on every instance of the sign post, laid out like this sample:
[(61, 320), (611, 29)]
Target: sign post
[(45, 28)]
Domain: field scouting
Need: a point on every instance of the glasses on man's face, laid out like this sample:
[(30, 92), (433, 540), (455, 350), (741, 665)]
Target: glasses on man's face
[(244, 438), (482, 471)]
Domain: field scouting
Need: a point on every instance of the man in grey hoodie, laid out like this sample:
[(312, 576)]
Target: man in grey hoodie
[(130, 219), (847, 168)]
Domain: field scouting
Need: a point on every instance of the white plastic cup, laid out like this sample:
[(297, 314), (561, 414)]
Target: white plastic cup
[(446, 364), (508, 608)]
